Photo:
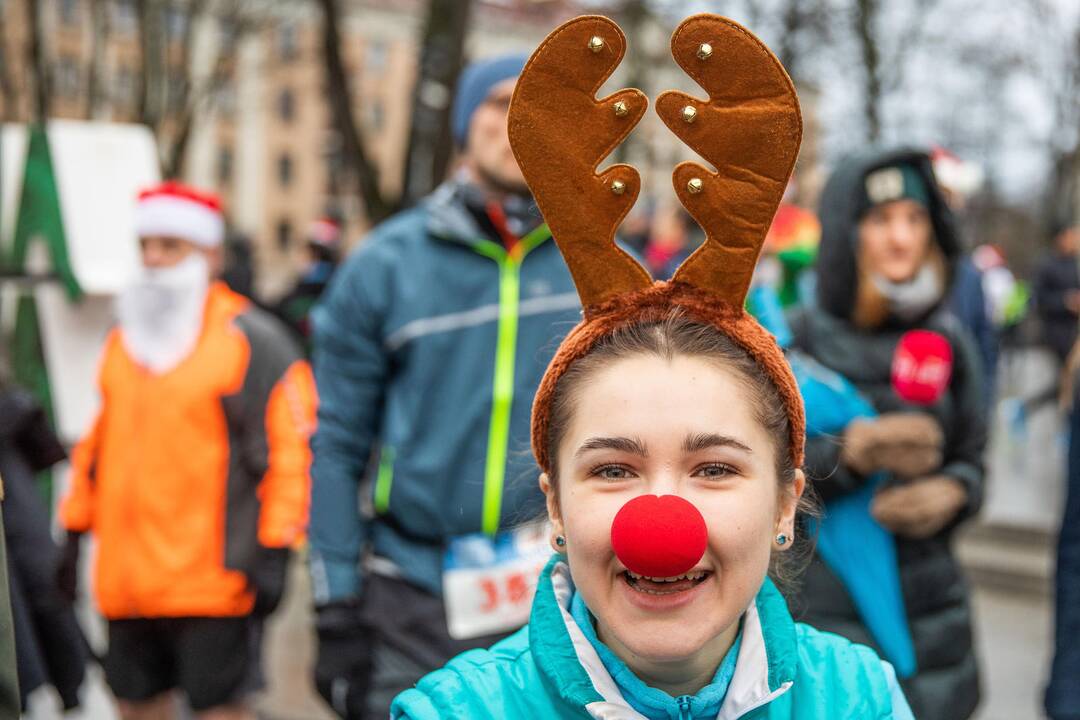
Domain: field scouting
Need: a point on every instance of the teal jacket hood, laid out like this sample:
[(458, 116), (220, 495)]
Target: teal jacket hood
[(549, 669)]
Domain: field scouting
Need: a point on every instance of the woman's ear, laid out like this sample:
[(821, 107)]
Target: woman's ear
[(789, 505), (551, 496)]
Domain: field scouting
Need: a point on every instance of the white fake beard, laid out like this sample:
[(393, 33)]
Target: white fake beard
[(161, 313)]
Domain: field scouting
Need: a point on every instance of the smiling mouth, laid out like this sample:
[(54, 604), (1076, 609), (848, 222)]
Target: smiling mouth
[(665, 586)]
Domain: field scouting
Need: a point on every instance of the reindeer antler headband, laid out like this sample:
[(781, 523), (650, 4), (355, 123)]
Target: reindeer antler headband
[(749, 129)]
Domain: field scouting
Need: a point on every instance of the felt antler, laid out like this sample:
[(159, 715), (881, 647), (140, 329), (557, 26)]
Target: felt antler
[(749, 129), (560, 132)]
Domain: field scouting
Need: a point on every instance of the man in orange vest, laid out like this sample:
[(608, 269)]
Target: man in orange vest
[(194, 476)]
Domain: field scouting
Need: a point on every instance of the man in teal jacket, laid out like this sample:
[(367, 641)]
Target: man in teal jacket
[(428, 348)]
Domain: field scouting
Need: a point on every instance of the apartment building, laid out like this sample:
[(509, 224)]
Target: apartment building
[(262, 133)]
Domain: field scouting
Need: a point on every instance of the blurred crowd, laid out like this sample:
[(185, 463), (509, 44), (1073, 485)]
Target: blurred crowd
[(375, 420)]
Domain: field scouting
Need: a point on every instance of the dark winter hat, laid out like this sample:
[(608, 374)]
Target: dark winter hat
[(893, 182), (474, 85)]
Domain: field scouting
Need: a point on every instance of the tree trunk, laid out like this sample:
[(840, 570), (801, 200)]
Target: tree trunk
[(340, 98), (173, 165), (8, 94), (866, 15), (1062, 196), (99, 38), (37, 62), (441, 60), (787, 51), (150, 78)]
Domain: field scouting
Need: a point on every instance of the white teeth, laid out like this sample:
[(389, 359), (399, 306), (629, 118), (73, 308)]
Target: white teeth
[(685, 576)]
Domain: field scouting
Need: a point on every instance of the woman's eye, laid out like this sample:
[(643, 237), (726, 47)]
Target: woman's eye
[(715, 470), (612, 472)]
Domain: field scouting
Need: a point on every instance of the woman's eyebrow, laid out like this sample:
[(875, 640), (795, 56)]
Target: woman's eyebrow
[(704, 441), (623, 444)]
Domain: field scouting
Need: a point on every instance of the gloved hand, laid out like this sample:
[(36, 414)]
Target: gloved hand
[(343, 667), (908, 444), (919, 509), (267, 579), (67, 572)]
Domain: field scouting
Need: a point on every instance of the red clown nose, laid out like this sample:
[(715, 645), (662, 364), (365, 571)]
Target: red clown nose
[(659, 536)]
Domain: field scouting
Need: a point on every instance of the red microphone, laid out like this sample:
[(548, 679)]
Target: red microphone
[(659, 536), (922, 367)]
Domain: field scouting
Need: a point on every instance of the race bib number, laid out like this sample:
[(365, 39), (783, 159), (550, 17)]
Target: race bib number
[(489, 582)]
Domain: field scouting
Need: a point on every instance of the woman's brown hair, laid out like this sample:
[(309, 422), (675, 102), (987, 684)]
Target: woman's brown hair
[(677, 335)]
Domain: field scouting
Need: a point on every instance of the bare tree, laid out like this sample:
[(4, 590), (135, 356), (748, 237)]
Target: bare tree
[(804, 29), (191, 101), (95, 74), (36, 61), (441, 59), (151, 41), (170, 96), (1063, 187), (865, 17), (339, 94), (7, 88)]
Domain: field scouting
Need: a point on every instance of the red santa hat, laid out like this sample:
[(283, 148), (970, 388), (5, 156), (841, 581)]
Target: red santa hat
[(175, 210), (955, 174)]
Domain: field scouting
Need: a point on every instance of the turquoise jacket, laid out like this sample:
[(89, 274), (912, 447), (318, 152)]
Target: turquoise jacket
[(550, 670)]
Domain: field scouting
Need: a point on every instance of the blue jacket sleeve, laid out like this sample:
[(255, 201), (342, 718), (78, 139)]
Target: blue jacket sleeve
[(351, 367)]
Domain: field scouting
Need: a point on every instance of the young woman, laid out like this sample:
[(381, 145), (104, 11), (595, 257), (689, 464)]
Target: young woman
[(887, 251), (678, 408), (668, 427)]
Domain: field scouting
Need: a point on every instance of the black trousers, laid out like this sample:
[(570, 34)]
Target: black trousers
[(410, 639)]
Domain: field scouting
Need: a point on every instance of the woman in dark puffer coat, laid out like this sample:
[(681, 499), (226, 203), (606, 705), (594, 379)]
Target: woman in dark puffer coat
[(887, 252)]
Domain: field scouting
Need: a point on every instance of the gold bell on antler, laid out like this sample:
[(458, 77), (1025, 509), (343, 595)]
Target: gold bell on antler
[(618, 187), (704, 51), (694, 186), (689, 113), (596, 43), (621, 109)]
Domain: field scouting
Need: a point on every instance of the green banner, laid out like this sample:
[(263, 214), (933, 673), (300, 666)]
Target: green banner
[(39, 217)]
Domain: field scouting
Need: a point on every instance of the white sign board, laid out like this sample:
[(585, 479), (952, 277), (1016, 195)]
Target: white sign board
[(100, 168)]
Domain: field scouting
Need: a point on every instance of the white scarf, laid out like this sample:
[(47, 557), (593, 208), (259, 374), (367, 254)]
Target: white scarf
[(910, 300), (161, 313)]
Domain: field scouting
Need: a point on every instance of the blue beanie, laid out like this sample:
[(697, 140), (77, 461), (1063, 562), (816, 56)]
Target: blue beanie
[(474, 85)]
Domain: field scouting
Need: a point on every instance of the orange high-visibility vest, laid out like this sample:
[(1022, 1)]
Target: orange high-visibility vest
[(184, 473)]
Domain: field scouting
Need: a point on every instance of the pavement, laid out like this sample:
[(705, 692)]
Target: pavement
[(1013, 638)]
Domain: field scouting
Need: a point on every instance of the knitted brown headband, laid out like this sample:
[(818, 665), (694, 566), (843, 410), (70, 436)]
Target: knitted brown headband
[(749, 129)]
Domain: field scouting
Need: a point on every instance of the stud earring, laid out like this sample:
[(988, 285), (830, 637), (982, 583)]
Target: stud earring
[(781, 539), (560, 541)]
